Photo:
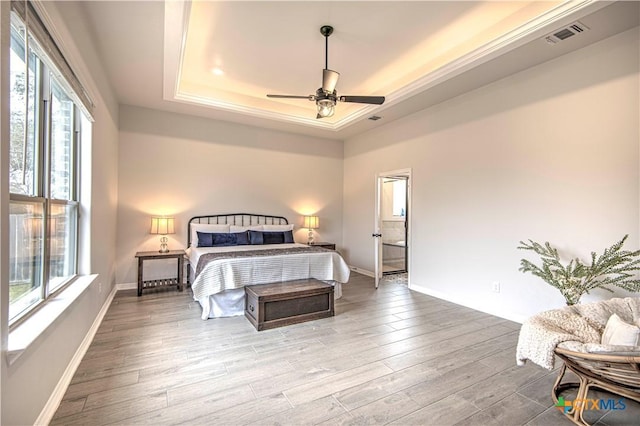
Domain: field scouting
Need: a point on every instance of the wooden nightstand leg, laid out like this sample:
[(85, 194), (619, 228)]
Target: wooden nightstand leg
[(140, 263), (180, 271)]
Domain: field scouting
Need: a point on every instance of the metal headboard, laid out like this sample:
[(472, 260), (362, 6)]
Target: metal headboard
[(239, 219)]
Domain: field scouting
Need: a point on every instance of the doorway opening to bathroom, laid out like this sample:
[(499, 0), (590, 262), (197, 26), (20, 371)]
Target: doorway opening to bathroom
[(392, 223)]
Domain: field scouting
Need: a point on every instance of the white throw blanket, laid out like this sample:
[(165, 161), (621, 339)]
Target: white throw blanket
[(582, 323)]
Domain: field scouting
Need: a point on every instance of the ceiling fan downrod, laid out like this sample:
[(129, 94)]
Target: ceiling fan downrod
[(326, 96), (326, 31)]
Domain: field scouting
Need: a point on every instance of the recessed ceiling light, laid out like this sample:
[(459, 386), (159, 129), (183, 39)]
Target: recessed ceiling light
[(217, 71)]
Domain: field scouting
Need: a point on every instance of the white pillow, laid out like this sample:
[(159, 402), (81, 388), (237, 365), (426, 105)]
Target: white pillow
[(277, 228), (208, 228), (618, 332), (235, 228)]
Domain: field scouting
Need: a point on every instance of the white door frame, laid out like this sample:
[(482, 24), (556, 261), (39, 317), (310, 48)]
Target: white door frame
[(377, 234)]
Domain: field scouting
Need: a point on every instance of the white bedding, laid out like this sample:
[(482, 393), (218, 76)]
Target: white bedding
[(219, 288)]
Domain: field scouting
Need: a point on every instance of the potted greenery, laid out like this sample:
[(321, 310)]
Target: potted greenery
[(614, 267)]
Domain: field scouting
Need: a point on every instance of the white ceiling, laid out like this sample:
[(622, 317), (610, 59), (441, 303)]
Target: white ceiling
[(161, 55)]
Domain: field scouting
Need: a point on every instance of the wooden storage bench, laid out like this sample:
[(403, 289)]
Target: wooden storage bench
[(290, 302)]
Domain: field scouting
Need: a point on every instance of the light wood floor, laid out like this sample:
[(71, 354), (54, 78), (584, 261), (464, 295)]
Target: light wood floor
[(388, 356)]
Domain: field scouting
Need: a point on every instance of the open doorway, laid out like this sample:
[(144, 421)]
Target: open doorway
[(392, 223)]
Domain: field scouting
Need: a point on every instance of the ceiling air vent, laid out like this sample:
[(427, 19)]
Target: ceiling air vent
[(374, 118), (566, 32)]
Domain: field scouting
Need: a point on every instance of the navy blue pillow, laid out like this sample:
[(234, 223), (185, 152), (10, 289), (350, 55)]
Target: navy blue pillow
[(205, 239), (222, 240), (242, 238), (260, 237), (273, 237), (255, 237), (280, 237), (288, 237)]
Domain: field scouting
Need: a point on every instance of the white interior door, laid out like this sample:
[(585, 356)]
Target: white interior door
[(377, 232)]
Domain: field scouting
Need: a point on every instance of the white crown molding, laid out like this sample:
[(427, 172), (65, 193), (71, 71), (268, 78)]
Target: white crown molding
[(255, 112)]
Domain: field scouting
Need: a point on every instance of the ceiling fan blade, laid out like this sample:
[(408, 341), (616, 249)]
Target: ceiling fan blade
[(375, 100), (329, 80), (310, 97)]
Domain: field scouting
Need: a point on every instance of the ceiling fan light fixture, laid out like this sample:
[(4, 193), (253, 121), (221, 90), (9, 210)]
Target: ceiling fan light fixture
[(326, 107), (326, 96)]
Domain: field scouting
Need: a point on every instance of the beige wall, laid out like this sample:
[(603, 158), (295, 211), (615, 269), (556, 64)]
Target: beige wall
[(550, 153), (187, 166), (29, 383)]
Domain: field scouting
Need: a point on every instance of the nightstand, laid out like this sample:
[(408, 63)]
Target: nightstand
[(330, 246), (163, 282)]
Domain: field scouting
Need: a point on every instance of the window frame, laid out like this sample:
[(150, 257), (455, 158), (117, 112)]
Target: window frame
[(45, 77)]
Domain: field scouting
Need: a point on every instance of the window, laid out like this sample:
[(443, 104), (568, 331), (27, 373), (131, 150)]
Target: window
[(399, 197), (44, 142)]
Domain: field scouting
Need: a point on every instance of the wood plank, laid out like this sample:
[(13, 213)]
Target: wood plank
[(447, 411), (319, 388), (512, 410), (190, 409), (310, 413), (247, 412), (380, 412)]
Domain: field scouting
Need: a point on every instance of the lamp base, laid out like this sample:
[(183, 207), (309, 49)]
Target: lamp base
[(164, 248)]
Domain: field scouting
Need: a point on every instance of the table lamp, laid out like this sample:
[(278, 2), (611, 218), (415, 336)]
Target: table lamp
[(311, 223), (162, 226)]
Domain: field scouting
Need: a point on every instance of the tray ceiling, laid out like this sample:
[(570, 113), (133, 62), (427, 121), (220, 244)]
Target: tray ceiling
[(220, 59)]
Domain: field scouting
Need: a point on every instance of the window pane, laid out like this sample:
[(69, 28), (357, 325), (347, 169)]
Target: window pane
[(61, 144), (62, 249), (399, 197), (22, 105), (26, 232)]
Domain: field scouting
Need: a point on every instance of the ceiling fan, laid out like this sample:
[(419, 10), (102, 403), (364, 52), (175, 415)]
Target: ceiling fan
[(326, 96)]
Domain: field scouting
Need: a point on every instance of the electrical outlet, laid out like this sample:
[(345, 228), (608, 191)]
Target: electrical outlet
[(495, 286)]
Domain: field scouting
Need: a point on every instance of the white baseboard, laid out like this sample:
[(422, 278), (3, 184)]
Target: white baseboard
[(52, 404), (126, 286), (508, 315), (362, 271)]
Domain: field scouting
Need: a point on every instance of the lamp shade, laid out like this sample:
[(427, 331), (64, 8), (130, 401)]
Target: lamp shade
[(162, 225), (311, 222)]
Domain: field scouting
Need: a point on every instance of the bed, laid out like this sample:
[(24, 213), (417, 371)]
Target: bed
[(228, 251)]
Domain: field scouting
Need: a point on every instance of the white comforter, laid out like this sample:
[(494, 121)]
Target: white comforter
[(234, 273)]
